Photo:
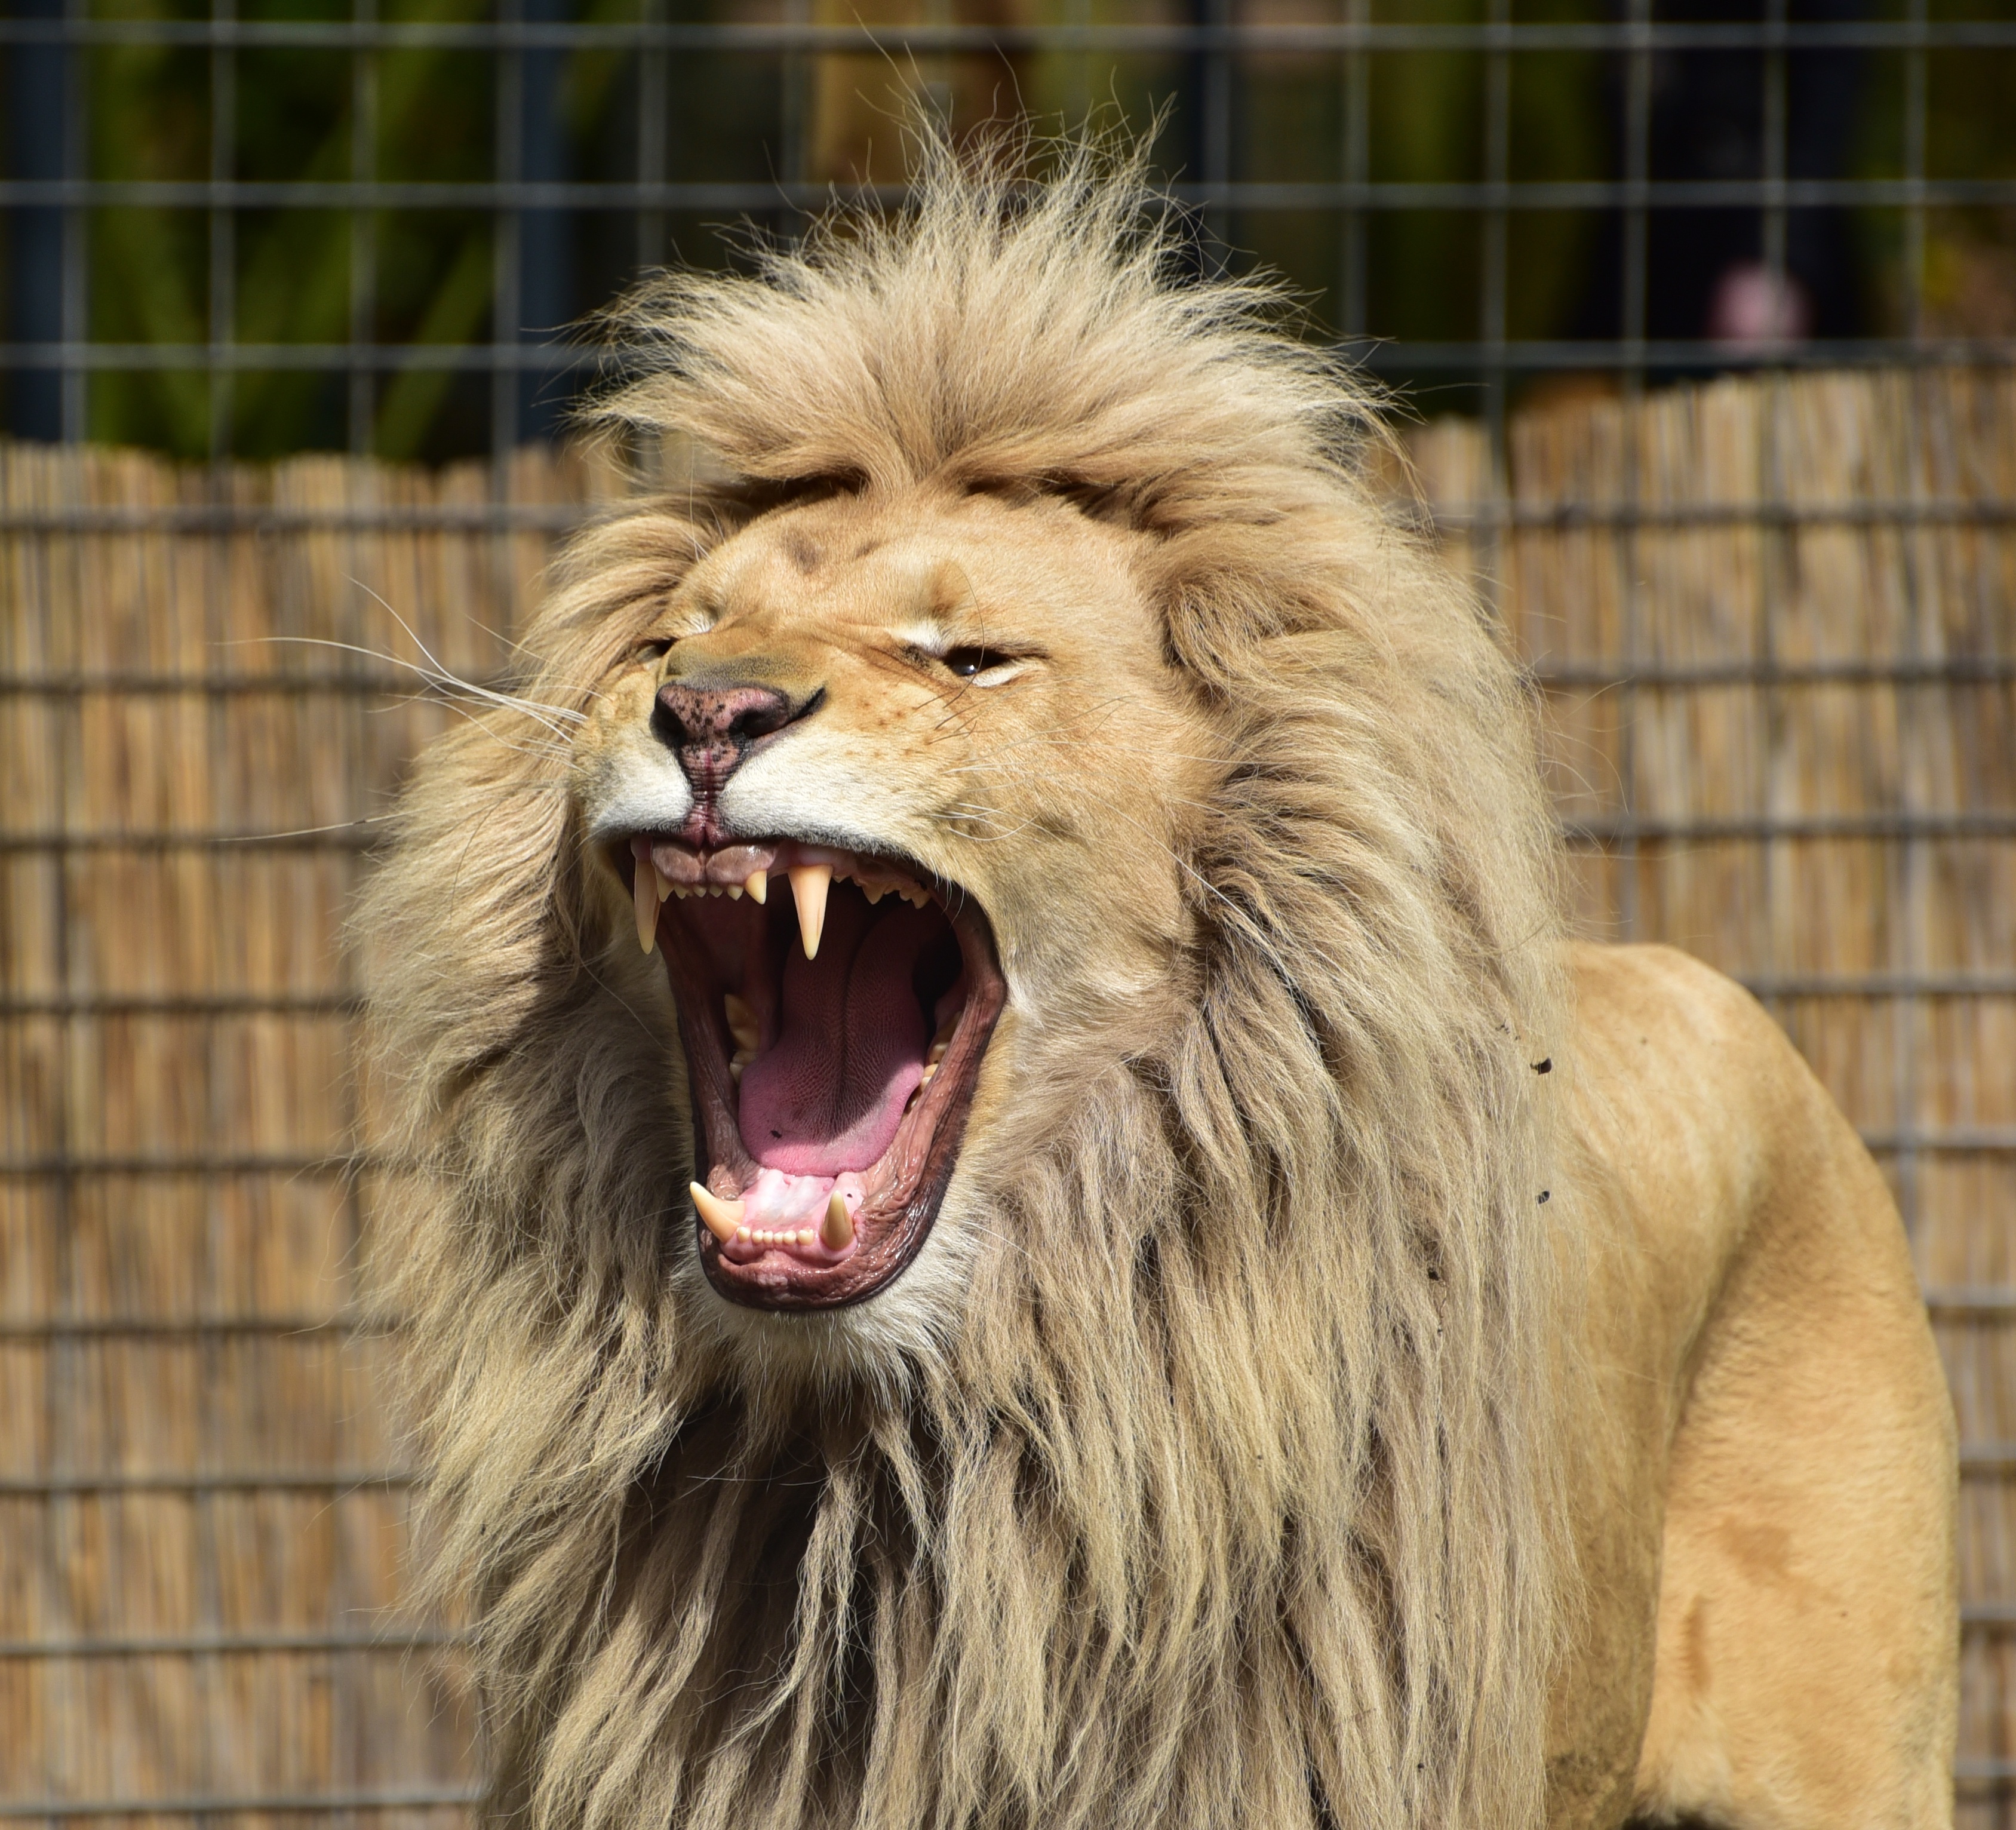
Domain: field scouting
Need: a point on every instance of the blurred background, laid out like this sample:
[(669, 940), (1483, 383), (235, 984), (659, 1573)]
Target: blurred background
[(1700, 319)]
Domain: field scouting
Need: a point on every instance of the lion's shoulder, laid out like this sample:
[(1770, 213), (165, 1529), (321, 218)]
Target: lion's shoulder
[(1688, 1099), (1660, 1019)]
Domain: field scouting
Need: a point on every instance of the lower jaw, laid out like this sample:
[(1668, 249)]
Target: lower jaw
[(884, 1245)]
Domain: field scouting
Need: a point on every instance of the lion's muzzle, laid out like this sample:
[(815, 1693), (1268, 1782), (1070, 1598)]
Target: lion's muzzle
[(713, 729)]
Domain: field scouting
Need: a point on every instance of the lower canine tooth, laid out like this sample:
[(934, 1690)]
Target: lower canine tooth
[(836, 1225), (645, 894), (721, 1218), (809, 885)]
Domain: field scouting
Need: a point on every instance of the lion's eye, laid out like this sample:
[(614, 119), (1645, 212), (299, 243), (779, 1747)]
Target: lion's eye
[(966, 662), (655, 649)]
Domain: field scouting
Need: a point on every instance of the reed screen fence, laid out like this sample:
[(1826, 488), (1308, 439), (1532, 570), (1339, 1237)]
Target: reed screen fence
[(1773, 623)]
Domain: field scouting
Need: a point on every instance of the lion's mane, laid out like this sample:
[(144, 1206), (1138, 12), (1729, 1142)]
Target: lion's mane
[(1229, 1496)]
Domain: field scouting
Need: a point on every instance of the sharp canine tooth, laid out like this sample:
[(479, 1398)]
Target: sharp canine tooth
[(645, 895), (757, 885), (809, 884), (836, 1228), (721, 1218)]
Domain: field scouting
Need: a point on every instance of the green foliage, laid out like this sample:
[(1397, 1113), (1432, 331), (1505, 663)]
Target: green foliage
[(153, 115)]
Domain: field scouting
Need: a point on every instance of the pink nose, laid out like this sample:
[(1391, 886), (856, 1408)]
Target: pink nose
[(712, 729)]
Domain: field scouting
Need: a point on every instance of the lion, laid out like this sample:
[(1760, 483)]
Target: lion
[(1009, 1204)]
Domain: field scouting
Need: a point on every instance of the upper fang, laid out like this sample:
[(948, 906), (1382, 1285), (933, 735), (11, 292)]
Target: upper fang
[(809, 884)]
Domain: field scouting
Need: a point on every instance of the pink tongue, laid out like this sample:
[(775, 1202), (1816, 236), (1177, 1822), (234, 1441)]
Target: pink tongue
[(828, 1094)]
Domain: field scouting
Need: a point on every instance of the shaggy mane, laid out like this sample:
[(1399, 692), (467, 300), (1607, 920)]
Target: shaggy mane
[(1230, 1497)]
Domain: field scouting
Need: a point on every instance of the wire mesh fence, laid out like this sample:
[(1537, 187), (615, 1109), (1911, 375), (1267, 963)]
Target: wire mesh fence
[(1773, 619), (1279, 118)]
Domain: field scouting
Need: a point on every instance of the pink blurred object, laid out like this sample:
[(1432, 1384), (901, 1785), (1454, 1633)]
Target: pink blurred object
[(1753, 308)]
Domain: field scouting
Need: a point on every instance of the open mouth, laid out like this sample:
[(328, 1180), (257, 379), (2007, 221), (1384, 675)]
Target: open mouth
[(835, 1006)]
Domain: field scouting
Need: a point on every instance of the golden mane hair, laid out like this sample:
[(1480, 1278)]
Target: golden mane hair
[(1230, 1496)]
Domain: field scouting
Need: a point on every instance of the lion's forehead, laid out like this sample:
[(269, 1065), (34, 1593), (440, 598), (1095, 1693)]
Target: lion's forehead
[(836, 571)]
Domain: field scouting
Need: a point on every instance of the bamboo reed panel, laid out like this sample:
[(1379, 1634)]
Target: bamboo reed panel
[(178, 1234)]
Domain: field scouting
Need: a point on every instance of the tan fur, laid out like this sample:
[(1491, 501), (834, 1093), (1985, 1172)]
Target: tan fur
[(1225, 1456)]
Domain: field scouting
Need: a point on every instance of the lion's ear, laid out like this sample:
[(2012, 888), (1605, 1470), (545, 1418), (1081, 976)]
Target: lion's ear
[(1224, 596)]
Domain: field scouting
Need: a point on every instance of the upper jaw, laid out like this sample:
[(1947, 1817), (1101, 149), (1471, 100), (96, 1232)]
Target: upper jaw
[(838, 1235)]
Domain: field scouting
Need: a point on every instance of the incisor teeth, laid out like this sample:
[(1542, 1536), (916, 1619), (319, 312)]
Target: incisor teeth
[(663, 882), (723, 1219), (809, 884), (836, 1225), (757, 883), (645, 894)]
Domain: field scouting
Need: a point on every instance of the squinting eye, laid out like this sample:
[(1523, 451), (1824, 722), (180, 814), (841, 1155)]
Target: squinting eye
[(966, 662), (655, 649)]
